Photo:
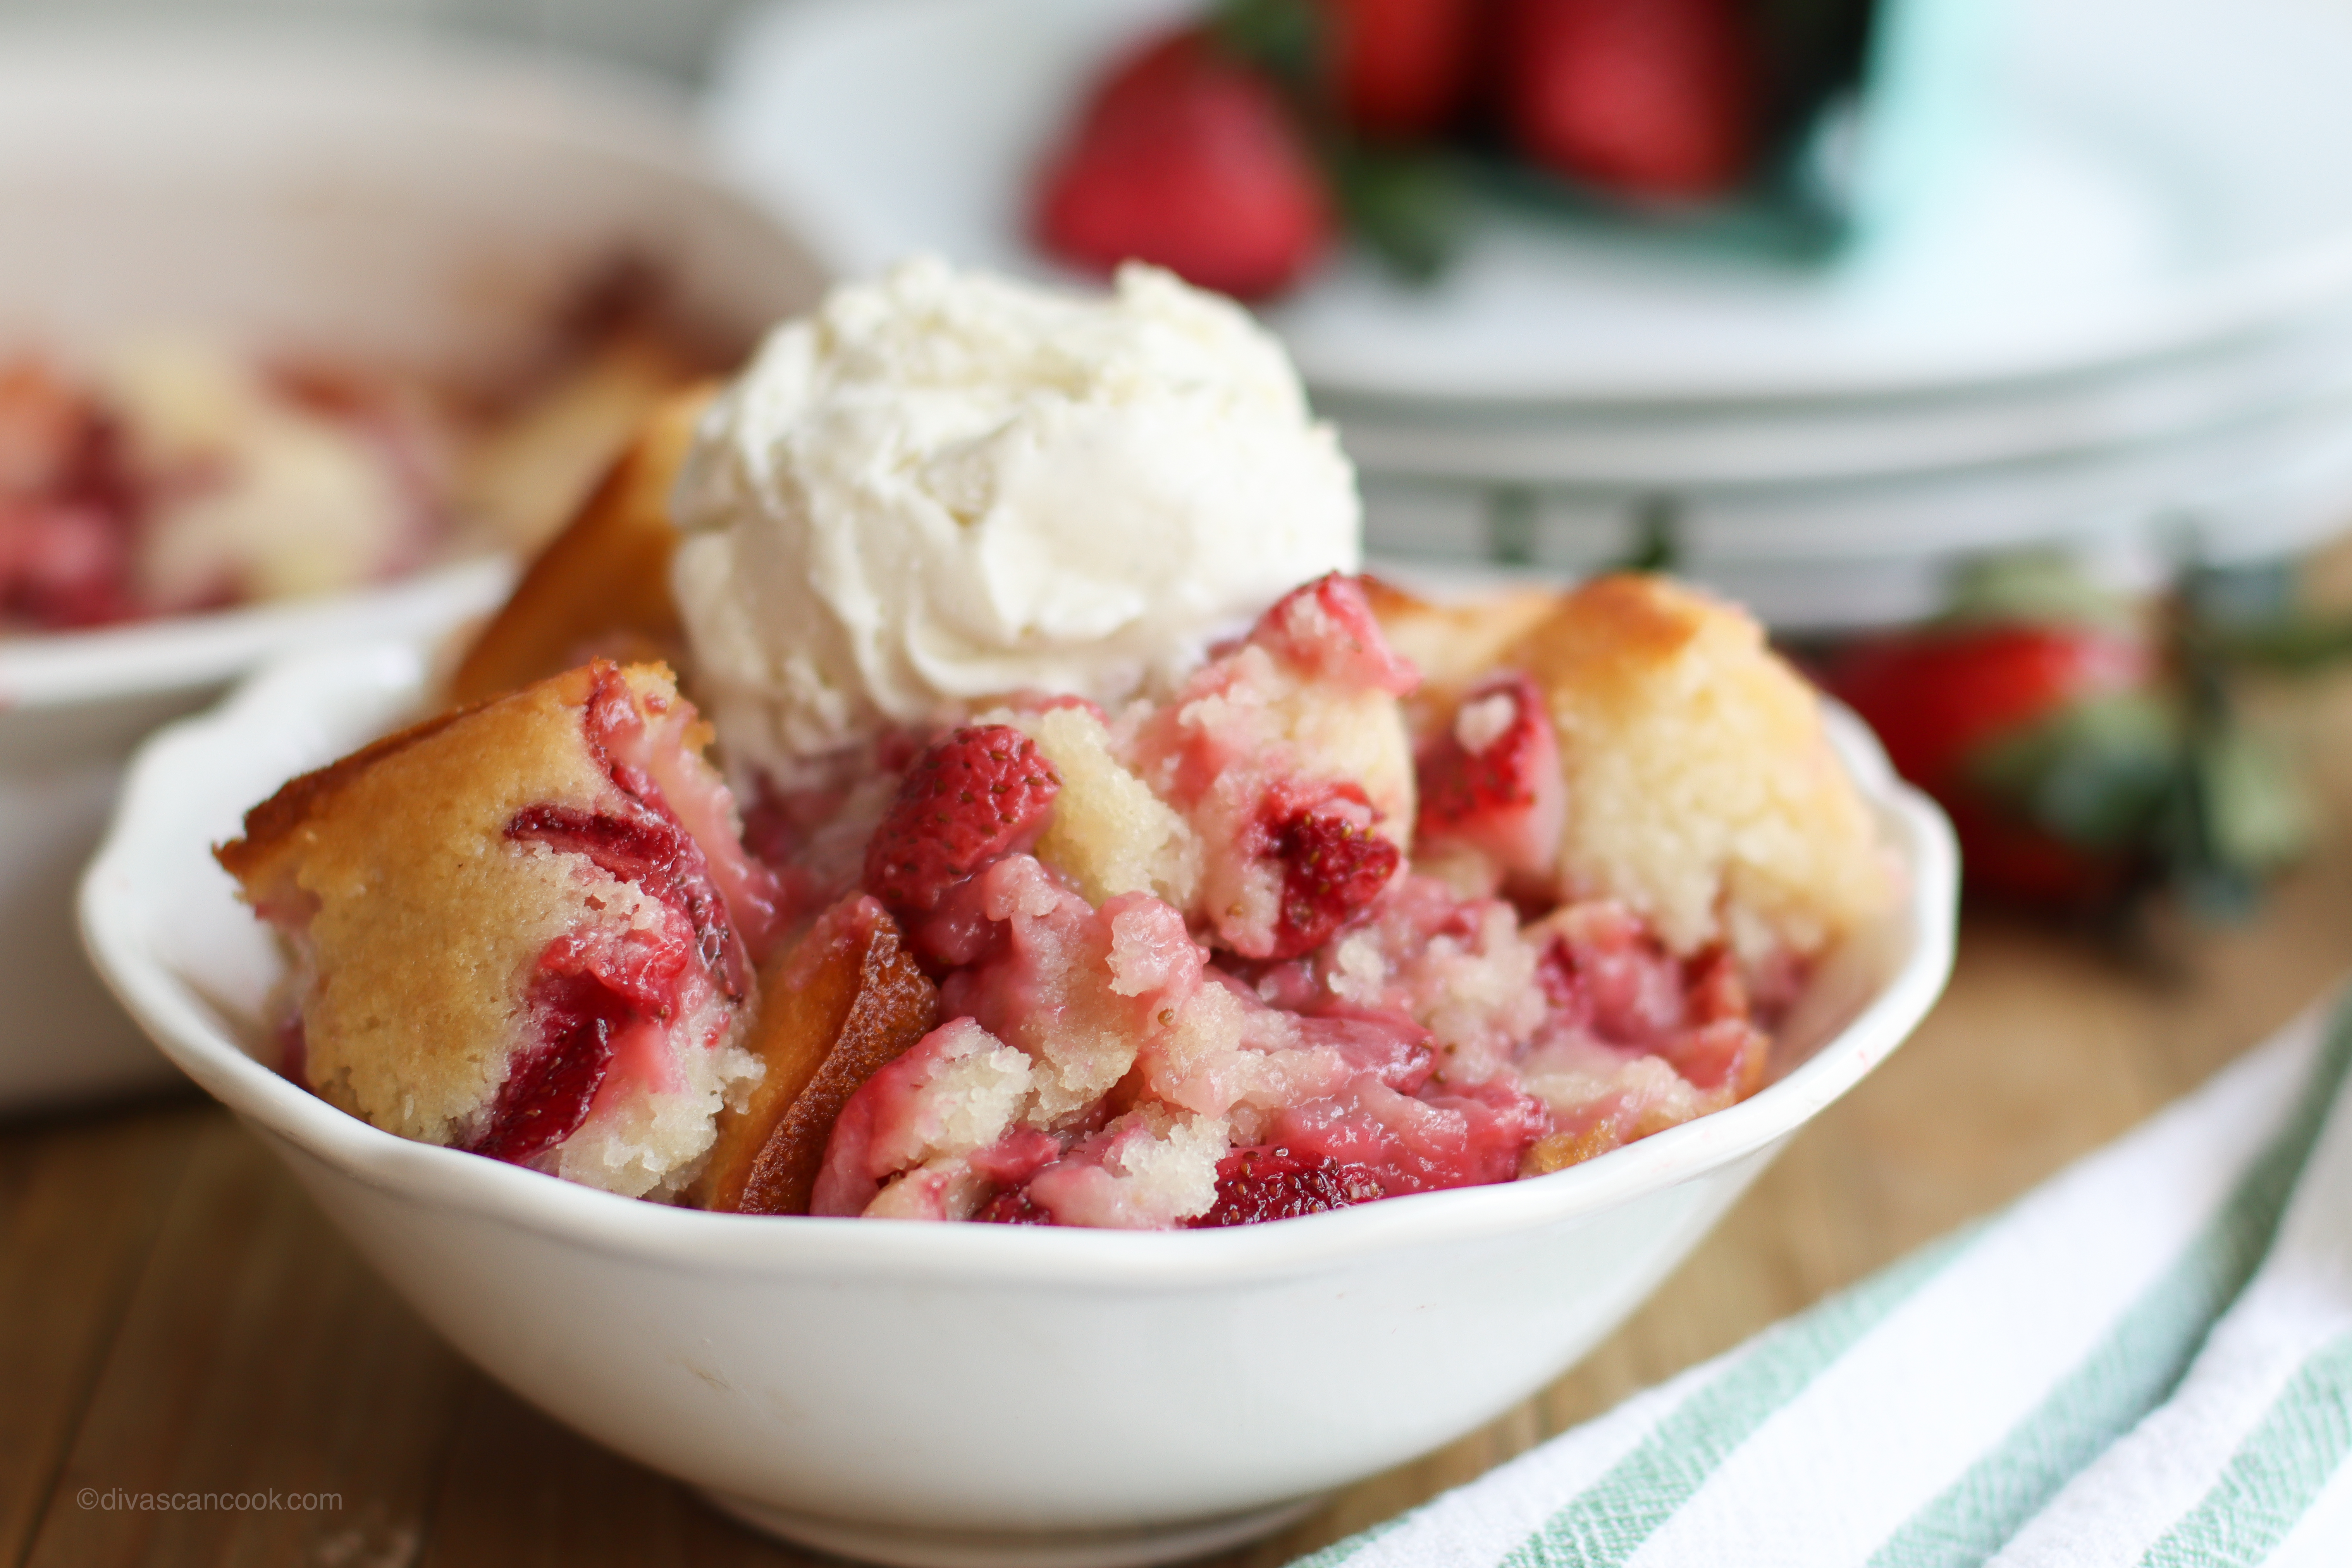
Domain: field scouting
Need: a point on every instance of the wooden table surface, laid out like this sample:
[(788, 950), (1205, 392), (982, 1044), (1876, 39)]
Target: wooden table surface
[(175, 1317)]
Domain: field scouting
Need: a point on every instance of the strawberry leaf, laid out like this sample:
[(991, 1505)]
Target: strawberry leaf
[(1284, 36), (1405, 206), (2247, 817), (2097, 774)]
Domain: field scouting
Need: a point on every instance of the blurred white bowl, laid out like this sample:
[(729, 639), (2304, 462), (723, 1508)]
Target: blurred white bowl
[(373, 200), (961, 1395)]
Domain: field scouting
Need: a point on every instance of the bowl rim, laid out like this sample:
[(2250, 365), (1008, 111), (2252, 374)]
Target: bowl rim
[(187, 652), (692, 1241)]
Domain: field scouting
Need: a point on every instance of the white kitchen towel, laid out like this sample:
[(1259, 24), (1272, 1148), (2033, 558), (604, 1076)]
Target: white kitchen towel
[(2148, 1359)]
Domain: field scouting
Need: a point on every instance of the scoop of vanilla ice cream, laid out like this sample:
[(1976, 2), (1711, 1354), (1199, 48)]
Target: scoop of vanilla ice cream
[(944, 487)]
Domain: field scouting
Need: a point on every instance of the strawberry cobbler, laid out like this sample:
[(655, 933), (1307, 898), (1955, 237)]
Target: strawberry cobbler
[(1183, 885), (1205, 961)]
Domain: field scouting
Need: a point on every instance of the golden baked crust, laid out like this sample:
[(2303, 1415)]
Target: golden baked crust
[(834, 1008), (1702, 789), (426, 920), (602, 583), (1453, 645)]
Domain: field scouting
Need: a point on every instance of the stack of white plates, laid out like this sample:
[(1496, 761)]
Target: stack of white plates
[(2122, 323)]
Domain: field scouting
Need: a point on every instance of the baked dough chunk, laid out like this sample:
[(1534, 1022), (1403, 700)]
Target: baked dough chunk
[(1702, 791), (525, 928)]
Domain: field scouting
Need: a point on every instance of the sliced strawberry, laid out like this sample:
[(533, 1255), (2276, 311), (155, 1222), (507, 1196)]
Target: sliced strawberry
[(1333, 864), (1326, 628), (1263, 1183), (549, 1087), (1729, 1053), (656, 854), (1189, 159), (1605, 971), (1401, 68), (980, 793), (1492, 780), (1652, 98), (64, 564)]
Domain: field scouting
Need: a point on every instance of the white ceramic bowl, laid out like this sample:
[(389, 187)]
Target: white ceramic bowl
[(380, 201), (961, 1395)]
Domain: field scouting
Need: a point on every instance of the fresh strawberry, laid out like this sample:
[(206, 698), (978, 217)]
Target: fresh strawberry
[(1263, 1183), (981, 792), (1654, 99), (1333, 864), (1190, 159), (1938, 694), (1326, 628), (1946, 697), (1399, 69), (1492, 780)]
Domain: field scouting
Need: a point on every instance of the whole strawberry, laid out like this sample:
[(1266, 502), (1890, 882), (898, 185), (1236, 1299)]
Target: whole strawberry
[(1954, 702), (1399, 70), (975, 796), (2080, 755), (1652, 99), (1189, 158)]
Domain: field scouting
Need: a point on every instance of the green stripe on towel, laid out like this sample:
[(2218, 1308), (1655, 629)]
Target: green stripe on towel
[(2273, 1479), (2136, 1366), (1612, 1517)]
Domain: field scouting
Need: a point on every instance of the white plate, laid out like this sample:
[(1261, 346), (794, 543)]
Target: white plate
[(385, 200), (2153, 175), (2247, 379), (1822, 556), (963, 1395)]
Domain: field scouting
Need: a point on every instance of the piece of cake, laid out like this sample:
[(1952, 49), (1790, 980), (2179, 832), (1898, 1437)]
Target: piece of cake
[(525, 928)]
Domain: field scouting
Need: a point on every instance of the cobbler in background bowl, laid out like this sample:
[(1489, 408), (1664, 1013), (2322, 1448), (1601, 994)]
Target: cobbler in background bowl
[(299, 341)]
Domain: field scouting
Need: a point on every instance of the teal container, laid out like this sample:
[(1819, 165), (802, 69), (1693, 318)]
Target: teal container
[(1869, 109)]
